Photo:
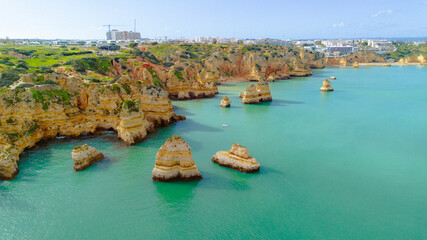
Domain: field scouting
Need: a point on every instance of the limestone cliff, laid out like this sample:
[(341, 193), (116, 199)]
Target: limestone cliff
[(413, 59), (175, 162), (257, 93), (360, 57), (312, 59), (182, 81), (212, 64), (8, 163), (84, 156), (71, 106), (238, 158)]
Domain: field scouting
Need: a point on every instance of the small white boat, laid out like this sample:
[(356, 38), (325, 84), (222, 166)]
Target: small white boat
[(224, 125)]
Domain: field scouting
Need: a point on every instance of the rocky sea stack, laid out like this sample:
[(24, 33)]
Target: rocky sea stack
[(257, 93), (238, 158), (225, 102), (84, 156), (326, 86), (356, 65), (175, 162)]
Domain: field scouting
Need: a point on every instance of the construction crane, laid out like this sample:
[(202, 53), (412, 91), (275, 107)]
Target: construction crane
[(109, 26)]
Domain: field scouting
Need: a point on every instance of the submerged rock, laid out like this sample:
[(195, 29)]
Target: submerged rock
[(84, 156), (257, 93), (225, 102), (175, 162), (326, 86), (237, 158)]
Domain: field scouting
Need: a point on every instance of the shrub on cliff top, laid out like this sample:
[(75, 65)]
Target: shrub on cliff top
[(133, 45), (100, 65), (25, 85), (147, 55), (126, 87), (168, 64), (174, 137), (3, 90), (51, 96), (131, 106), (178, 74)]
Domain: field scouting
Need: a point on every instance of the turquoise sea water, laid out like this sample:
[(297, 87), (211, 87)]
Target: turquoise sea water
[(348, 164)]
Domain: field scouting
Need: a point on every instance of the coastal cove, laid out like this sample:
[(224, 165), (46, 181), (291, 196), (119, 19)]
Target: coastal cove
[(347, 164)]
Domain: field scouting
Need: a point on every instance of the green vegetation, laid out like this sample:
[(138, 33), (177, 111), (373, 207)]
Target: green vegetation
[(14, 98), (133, 45), (126, 87), (51, 96), (404, 50), (39, 56), (147, 55), (34, 125), (174, 137), (25, 85), (156, 79), (115, 87), (3, 91), (99, 65), (178, 74), (131, 106), (244, 50), (10, 120)]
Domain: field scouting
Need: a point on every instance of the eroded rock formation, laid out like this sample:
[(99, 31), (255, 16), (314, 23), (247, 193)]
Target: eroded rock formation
[(257, 93), (175, 162), (70, 107), (238, 158), (356, 65), (8, 163), (225, 102), (133, 126), (361, 57), (413, 59), (326, 86), (84, 156)]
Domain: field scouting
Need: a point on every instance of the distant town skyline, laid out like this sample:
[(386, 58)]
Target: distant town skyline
[(47, 19)]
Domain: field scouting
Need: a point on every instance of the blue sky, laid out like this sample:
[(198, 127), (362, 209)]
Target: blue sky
[(84, 19)]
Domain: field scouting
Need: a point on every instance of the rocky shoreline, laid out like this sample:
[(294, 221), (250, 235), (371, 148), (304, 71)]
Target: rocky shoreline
[(78, 99)]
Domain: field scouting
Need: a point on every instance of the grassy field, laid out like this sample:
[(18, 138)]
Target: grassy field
[(405, 50), (42, 56)]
